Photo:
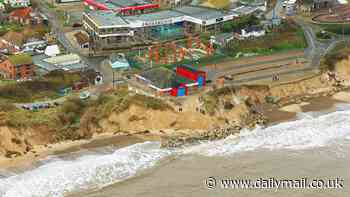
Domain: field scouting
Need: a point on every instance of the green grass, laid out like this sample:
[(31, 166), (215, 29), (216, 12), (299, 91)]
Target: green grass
[(337, 28), (74, 119), (39, 89), (340, 52), (6, 27), (4, 82), (286, 38)]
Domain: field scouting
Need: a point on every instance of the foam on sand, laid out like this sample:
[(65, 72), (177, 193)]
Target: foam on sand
[(311, 131)]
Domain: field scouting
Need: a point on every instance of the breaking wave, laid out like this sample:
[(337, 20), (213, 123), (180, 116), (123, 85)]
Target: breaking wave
[(58, 177), (308, 132)]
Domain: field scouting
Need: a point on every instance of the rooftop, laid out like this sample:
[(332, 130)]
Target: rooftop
[(47, 66), (245, 10), (254, 28), (160, 77), (103, 18), (115, 4), (200, 12), (63, 59), (81, 38), (118, 61), (125, 3), (20, 59), (164, 78), (166, 14), (21, 13)]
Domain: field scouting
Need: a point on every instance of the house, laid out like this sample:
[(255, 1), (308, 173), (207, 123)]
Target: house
[(67, 62), (252, 31), (82, 39), (118, 61), (2, 5), (17, 3), (34, 45), (3, 16), (52, 50), (12, 41), (22, 15), (163, 81), (17, 67)]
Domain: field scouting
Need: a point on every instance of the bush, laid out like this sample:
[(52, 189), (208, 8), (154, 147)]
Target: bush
[(323, 35), (71, 111), (242, 22), (6, 107), (149, 102), (340, 52)]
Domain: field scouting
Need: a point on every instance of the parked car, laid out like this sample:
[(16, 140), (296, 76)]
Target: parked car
[(84, 95), (80, 85), (76, 25)]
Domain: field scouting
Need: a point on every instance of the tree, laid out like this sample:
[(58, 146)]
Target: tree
[(227, 27), (3, 17)]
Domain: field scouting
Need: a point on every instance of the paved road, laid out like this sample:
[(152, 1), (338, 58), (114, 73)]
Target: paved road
[(57, 28)]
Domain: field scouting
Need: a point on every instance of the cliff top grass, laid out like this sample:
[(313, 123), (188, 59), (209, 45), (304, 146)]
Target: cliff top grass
[(340, 52), (21, 59), (40, 89), (288, 36), (66, 120)]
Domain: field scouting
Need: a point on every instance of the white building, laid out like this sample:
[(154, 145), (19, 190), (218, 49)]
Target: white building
[(18, 3), (2, 6), (253, 31), (52, 50)]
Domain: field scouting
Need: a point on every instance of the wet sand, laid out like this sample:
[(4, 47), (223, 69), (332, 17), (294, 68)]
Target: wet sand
[(275, 115), (320, 104), (186, 176)]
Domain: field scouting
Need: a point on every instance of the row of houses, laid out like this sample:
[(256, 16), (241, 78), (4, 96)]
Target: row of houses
[(14, 3), (17, 67), (24, 66), (30, 22), (25, 16)]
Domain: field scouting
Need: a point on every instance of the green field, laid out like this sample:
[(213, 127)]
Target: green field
[(6, 27), (337, 28), (39, 89), (287, 37)]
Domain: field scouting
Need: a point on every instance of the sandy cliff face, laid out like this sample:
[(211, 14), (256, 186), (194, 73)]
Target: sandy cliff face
[(138, 119), (312, 85), (342, 70), (17, 141), (231, 106)]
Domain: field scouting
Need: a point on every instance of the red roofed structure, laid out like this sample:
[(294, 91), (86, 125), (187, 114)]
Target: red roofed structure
[(21, 15)]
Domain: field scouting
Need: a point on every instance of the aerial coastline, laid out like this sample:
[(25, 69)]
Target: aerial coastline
[(106, 90)]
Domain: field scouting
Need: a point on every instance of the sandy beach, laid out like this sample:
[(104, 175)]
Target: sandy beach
[(321, 104)]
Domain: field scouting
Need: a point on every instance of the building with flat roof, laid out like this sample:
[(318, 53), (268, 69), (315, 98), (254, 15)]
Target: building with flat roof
[(176, 83), (118, 61), (67, 62), (16, 67), (107, 30), (123, 7)]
